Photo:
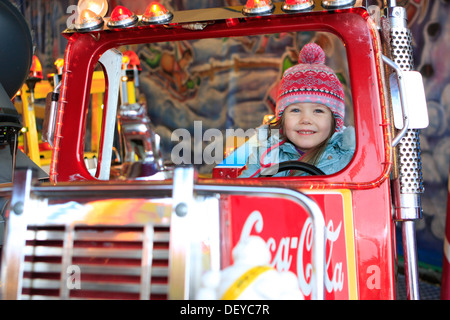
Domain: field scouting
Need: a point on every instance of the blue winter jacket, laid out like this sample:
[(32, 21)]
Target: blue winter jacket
[(337, 154)]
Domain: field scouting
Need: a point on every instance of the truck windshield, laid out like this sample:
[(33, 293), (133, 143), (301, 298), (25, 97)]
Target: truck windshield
[(206, 97)]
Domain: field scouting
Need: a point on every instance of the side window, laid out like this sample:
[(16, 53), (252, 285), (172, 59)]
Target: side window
[(104, 99), (94, 120)]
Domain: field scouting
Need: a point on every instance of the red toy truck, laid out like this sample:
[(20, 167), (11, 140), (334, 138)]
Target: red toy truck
[(153, 230)]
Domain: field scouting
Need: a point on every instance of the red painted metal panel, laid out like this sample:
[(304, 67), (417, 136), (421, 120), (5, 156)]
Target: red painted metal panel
[(366, 176)]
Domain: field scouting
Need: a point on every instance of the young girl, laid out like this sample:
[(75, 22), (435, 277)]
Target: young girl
[(309, 121)]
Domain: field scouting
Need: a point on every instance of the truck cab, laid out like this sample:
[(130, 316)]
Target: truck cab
[(171, 207)]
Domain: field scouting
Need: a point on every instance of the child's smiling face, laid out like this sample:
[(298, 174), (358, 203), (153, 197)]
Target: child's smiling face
[(307, 124)]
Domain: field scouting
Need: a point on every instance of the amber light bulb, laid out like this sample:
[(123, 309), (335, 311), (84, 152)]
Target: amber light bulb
[(88, 21), (87, 16), (156, 13), (59, 63), (100, 7)]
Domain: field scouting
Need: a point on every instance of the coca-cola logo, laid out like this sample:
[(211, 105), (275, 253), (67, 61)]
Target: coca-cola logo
[(285, 249)]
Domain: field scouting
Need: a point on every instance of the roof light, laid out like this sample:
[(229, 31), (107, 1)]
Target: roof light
[(59, 64), (88, 21), (131, 60), (337, 4), (121, 17), (125, 61), (156, 13), (36, 68), (258, 7), (297, 5), (100, 7)]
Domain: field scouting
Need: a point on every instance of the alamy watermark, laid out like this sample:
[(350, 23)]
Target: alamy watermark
[(375, 13), (73, 277), (73, 11), (189, 149)]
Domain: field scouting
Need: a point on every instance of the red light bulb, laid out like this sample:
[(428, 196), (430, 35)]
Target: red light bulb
[(122, 17), (337, 4), (253, 4), (120, 13), (36, 68), (256, 7), (297, 5), (262, 3), (132, 60)]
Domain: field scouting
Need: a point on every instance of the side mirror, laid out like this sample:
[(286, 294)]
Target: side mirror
[(408, 100), (417, 111)]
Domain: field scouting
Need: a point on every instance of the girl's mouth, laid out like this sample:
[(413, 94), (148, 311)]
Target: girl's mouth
[(305, 132)]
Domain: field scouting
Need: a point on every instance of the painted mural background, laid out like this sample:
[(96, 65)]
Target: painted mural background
[(174, 77)]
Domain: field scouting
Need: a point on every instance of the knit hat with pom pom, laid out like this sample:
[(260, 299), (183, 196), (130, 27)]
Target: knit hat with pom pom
[(312, 81)]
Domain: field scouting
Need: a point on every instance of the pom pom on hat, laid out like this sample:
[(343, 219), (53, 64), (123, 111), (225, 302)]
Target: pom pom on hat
[(312, 81), (312, 54)]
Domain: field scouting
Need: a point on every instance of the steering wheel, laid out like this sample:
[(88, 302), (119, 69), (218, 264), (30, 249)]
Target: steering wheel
[(297, 165)]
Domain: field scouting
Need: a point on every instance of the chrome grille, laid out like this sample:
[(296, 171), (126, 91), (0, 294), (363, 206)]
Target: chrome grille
[(401, 48), (408, 149), (410, 163), (96, 262)]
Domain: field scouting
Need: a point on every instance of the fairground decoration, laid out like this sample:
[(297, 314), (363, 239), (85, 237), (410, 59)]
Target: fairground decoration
[(289, 237)]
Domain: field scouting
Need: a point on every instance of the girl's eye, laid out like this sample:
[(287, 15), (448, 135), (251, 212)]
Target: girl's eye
[(294, 110), (319, 111)]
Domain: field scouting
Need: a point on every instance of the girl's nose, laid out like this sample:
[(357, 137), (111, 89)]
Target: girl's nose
[(305, 119)]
